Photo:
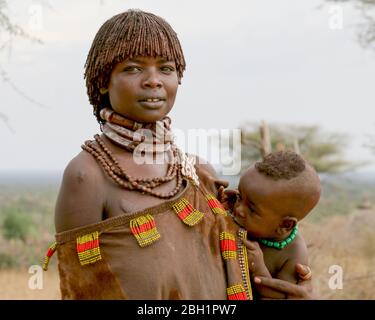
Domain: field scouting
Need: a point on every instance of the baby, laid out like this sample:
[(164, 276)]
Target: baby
[(272, 197)]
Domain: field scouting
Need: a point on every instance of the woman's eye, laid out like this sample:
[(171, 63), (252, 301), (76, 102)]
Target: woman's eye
[(167, 69), (132, 69)]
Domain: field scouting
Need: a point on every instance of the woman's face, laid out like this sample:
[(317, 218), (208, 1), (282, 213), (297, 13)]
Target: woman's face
[(143, 88)]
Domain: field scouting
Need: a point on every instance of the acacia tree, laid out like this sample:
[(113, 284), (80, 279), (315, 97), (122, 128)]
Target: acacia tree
[(322, 149)]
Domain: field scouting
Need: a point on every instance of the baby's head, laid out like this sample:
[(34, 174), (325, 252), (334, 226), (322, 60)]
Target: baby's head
[(275, 194), (126, 49)]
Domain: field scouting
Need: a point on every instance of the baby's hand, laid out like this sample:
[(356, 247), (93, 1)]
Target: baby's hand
[(227, 197), (255, 257), (221, 196)]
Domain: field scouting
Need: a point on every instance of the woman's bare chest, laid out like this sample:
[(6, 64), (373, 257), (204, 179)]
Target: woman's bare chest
[(119, 200)]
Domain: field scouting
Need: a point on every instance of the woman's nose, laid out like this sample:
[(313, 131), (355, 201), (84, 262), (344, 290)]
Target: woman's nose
[(152, 79)]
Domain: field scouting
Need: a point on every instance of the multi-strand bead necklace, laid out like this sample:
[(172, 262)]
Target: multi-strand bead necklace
[(123, 132)]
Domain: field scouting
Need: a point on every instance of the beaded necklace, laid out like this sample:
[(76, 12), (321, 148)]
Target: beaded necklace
[(155, 137), (122, 132), (280, 244)]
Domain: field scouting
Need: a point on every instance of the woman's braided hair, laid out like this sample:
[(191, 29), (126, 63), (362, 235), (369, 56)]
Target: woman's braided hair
[(124, 36)]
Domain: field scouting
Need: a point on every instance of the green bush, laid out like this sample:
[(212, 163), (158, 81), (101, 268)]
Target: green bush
[(16, 225), (7, 261)]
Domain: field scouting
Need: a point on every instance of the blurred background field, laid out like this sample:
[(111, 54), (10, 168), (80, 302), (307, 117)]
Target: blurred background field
[(26, 230), (340, 231)]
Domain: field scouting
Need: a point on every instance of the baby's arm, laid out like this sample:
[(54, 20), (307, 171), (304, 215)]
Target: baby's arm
[(258, 268), (297, 254)]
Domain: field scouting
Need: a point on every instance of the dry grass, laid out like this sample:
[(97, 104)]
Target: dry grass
[(14, 285), (346, 241)]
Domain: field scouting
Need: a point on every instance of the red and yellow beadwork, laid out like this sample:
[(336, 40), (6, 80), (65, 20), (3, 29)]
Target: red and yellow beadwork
[(236, 292), (187, 213), (244, 264), (88, 248), (215, 205), (51, 250), (144, 230), (228, 245)]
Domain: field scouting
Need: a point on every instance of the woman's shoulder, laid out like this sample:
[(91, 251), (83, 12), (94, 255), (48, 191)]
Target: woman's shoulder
[(82, 168), (208, 176), (81, 196), (202, 164)]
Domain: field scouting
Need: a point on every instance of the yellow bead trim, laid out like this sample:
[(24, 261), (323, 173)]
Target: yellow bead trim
[(187, 213), (238, 288), (228, 245), (50, 252), (244, 263), (88, 248), (144, 230), (215, 205)]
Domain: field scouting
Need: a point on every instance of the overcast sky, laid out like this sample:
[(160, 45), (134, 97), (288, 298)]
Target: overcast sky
[(270, 60)]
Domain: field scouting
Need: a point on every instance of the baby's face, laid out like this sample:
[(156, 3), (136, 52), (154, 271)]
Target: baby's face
[(254, 213), (143, 88), (263, 203)]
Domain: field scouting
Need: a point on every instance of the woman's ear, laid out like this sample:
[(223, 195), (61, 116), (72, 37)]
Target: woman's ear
[(103, 90), (286, 225)]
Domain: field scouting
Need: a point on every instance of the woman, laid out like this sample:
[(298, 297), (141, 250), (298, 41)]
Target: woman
[(136, 218)]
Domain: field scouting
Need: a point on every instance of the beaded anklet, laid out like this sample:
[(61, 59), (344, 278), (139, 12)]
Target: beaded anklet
[(280, 244)]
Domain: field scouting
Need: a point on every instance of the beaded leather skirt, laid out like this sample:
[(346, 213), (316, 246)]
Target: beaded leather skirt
[(185, 248)]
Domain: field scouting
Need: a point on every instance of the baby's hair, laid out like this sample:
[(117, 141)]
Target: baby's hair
[(125, 36), (281, 165)]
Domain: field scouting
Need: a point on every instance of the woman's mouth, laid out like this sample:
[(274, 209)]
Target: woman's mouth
[(152, 103)]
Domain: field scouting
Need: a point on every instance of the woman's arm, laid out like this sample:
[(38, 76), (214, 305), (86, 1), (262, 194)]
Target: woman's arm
[(302, 290)]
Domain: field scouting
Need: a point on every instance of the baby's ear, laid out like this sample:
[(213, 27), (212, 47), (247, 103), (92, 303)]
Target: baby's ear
[(287, 224)]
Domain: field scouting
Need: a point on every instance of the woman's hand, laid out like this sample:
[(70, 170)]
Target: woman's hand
[(302, 290)]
